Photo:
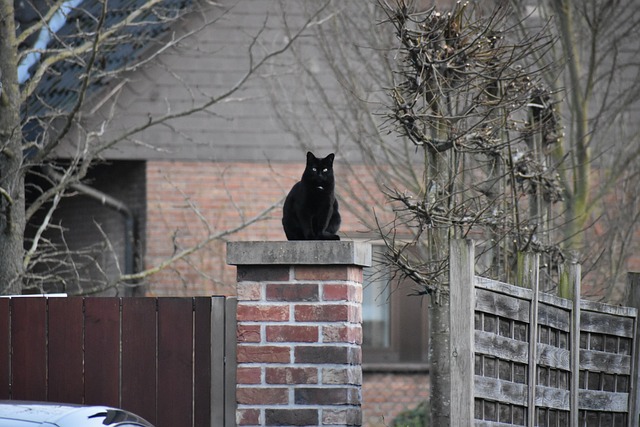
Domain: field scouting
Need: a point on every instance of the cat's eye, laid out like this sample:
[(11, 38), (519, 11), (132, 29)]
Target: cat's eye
[(314, 169), (325, 170)]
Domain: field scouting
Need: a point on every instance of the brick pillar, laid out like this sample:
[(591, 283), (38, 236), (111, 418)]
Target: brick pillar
[(299, 332)]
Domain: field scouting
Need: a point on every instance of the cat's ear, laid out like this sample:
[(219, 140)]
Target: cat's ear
[(310, 156), (330, 158)]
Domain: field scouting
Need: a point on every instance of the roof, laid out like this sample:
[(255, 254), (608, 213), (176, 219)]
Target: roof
[(276, 115), (212, 62), (58, 89)]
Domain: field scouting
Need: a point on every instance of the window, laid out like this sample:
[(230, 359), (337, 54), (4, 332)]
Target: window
[(395, 324), (376, 312)]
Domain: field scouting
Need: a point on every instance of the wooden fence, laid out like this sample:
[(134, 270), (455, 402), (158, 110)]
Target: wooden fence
[(535, 359), (170, 360)]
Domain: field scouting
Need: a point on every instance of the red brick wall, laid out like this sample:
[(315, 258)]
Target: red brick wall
[(224, 195), (385, 395), (299, 337)]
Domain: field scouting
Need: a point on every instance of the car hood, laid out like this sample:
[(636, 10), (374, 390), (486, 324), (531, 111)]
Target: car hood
[(64, 414)]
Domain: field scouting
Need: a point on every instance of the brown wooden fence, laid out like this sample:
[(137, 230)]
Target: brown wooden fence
[(522, 357), (170, 360)]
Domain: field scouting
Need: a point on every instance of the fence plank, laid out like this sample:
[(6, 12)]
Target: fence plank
[(605, 362), (603, 400), (503, 288), (555, 301), (5, 349), (551, 397), (604, 323), (500, 391), (102, 351), (502, 305), (529, 277), (554, 317), (554, 357), (217, 361), (462, 303), (65, 358), (574, 277), (139, 358), (175, 362), (202, 362), (28, 340), (616, 310), (479, 423), (230, 365), (501, 347)]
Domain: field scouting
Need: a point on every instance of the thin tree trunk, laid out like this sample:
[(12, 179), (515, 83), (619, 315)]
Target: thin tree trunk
[(12, 219), (578, 197), (439, 337), (439, 359)]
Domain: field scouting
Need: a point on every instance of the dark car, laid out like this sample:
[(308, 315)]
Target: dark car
[(14, 413)]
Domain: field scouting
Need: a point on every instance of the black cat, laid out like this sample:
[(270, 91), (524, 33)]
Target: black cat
[(310, 210)]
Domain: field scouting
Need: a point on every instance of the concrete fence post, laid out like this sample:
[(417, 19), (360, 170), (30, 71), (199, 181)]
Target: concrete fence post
[(299, 332)]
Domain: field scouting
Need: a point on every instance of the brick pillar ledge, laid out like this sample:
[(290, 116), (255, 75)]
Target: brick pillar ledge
[(299, 332)]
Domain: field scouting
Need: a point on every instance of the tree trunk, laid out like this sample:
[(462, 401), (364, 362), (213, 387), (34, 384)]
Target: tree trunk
[(12, 219), (576, 200), (439, 359), (439, 337)]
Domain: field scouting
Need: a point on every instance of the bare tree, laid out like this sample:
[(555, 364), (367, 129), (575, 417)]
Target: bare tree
[(586, 173), (459, 145), (34, 130), (479, 101), (596, 72), (469, 97)]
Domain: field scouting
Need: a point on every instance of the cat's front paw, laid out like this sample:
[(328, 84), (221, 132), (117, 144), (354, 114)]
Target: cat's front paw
[(328, 236)]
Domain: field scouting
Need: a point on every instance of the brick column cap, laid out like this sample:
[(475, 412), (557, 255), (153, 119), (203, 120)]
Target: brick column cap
[(309, 252)]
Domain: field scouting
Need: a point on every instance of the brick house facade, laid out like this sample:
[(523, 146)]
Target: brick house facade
[(225, 194)]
